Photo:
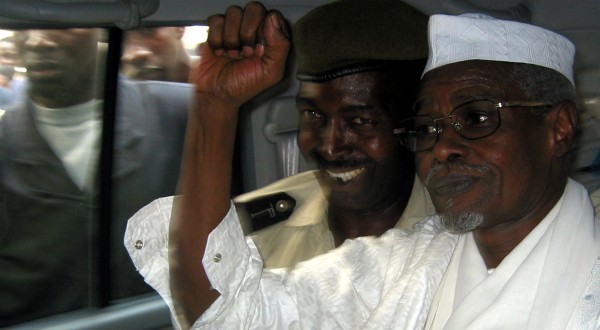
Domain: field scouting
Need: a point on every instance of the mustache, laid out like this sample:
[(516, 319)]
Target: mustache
[(344, 162), (455, 166)]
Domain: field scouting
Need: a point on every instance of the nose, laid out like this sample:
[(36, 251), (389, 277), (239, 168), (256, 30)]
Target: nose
[(136, 55), (449, 144), (333, 142)]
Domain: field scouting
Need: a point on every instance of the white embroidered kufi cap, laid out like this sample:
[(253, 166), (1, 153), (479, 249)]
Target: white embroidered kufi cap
[(480, 37)]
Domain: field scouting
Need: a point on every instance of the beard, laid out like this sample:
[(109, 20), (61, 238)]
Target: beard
[(461, 223)]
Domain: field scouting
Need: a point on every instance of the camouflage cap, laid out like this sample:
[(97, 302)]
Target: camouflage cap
[(351, 36)]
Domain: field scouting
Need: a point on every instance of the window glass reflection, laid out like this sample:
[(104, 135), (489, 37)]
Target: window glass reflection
[(12, 75), (161, 53), (53, 257), (49, 142)]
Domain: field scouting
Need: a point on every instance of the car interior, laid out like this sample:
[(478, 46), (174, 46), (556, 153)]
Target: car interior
[(266, 149)]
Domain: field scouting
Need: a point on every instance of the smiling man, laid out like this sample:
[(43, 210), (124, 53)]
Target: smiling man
[(356, 84)]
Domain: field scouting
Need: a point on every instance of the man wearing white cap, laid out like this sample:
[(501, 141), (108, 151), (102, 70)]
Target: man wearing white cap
[(515, 244), (496, 120)]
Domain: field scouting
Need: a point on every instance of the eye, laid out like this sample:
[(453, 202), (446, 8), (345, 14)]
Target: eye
[(476, 114), (424, 130), (361, 122), (311, 115), (312, 118), (475, 118)]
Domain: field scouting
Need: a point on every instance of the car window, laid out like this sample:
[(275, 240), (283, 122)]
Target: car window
[(83, 146)]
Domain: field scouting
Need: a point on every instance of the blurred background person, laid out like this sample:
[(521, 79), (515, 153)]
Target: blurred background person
[(50, 146), (6, 96), (156, 54), (12, 78)]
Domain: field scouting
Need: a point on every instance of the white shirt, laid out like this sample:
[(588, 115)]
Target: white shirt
[(73, 133), (367, 283)]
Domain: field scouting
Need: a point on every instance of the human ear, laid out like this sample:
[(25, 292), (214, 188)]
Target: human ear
[(563, 120)]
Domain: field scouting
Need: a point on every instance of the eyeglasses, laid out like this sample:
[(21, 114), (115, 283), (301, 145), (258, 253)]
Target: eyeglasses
[(472, 120)]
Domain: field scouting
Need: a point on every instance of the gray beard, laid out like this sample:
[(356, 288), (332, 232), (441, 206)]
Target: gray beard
[(461, 223)]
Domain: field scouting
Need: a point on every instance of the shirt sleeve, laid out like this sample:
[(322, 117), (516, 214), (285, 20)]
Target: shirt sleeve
[(248, 294), (229, 262), (147, 242), (233, 266)]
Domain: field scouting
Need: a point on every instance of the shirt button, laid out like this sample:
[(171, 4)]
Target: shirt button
[(139, 244), (217, 258), (282, 205)]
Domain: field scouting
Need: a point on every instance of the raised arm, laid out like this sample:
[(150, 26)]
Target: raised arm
[(244, 55)]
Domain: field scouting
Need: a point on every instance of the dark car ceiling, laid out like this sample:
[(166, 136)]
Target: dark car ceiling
[(579, 20)]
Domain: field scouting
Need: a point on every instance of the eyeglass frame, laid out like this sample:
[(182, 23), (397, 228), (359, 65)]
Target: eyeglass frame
[(498, 105)]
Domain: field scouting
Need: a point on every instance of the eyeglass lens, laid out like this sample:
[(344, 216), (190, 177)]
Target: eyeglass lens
[(471, 120)]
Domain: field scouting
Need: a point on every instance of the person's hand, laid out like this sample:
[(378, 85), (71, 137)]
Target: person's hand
[(245, 54)]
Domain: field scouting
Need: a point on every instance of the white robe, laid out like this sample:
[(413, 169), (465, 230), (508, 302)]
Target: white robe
[(544, 283), (550, 281)]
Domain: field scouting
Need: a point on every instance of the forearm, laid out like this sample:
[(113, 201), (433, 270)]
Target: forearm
[(205, 188), (244, 55)]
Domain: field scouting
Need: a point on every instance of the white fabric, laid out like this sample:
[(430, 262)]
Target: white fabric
[(73, 133), (147, 242), (478, 37), (537, 286), (390, 282), (372, 277)]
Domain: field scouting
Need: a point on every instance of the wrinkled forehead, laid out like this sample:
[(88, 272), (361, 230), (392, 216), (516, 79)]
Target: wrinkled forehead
[(485, 72), (337, 92), (352, 82), (467, 80)]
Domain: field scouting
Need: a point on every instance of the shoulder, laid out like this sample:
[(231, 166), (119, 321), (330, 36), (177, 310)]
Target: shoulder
[(164, 99), (266, 210), (275, 202), (159, 89), (298, 186)]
